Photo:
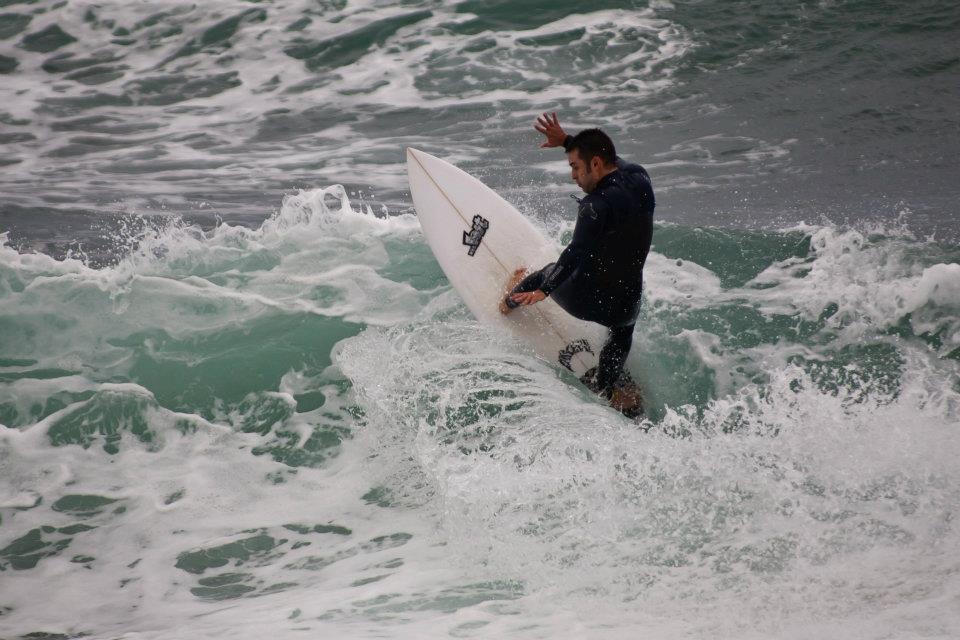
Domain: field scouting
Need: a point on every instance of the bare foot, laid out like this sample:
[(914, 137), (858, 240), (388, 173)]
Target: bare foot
[(514, 280), (626, 399)]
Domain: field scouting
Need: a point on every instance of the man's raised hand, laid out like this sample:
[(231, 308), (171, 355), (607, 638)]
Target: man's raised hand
[(549, 125)]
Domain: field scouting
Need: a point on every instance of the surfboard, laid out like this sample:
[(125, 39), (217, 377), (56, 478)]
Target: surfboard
[(480, 239)]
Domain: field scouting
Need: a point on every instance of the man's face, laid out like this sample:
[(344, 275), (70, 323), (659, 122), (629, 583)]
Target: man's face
[(583, 173)]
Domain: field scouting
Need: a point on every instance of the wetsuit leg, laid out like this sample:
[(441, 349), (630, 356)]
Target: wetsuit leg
[(532, 282), (612, 357)]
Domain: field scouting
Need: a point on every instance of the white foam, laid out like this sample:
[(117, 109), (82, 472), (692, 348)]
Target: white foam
[(404, 71), (781, 506), (873, 283), (601, 521)]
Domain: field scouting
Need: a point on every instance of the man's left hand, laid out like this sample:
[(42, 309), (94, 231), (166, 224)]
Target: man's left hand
[(549, 126), (529, 297)]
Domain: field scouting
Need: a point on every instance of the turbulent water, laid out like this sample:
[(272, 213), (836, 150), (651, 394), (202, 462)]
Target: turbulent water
[(240, 400)]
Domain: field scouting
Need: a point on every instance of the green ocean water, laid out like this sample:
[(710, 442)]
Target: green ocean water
[(750, 114), (237, 414)]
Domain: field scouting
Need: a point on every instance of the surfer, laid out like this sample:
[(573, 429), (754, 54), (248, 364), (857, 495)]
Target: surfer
[(599, 275)]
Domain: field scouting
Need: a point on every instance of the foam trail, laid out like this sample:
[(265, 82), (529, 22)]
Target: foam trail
[(298, 427)]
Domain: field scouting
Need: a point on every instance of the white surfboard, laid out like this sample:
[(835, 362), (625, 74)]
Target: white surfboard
[(480, 239)]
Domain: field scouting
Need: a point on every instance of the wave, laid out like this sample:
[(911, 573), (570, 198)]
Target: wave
[(312, 412)]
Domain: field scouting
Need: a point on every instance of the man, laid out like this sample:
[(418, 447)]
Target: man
[(599, 275)]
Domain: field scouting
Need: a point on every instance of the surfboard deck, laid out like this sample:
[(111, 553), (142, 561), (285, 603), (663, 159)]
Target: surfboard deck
[(480, 239)]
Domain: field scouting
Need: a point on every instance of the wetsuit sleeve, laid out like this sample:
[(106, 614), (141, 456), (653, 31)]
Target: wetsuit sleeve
[(585, 235)]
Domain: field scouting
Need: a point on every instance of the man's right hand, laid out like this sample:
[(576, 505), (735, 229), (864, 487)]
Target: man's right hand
[(549, 125), (529, 297)]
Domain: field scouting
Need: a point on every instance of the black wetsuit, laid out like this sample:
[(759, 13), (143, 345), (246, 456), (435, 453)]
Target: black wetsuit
[(599, 275)]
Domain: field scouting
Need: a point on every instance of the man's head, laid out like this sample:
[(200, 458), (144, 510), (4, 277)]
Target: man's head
[(591, 156)]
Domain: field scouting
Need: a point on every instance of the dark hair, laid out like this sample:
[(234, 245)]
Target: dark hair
[(592, 143)]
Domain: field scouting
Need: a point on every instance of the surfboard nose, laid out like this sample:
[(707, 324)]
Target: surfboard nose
[(422, 157), (419, 160), (415, 161)]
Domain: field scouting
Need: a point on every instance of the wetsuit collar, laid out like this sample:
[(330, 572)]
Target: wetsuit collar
[(607, 180)]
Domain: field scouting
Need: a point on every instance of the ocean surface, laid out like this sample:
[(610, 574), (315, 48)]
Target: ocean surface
[(239, 398)]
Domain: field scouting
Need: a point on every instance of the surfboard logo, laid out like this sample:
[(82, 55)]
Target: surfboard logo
[(473, 237), (575, 347)]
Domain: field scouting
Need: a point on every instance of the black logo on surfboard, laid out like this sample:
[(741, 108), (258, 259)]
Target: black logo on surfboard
[(473, 237), (567, 353)]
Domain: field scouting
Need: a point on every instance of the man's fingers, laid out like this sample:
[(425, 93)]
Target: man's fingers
[(548, 121), (526, 297), (549, 125)]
